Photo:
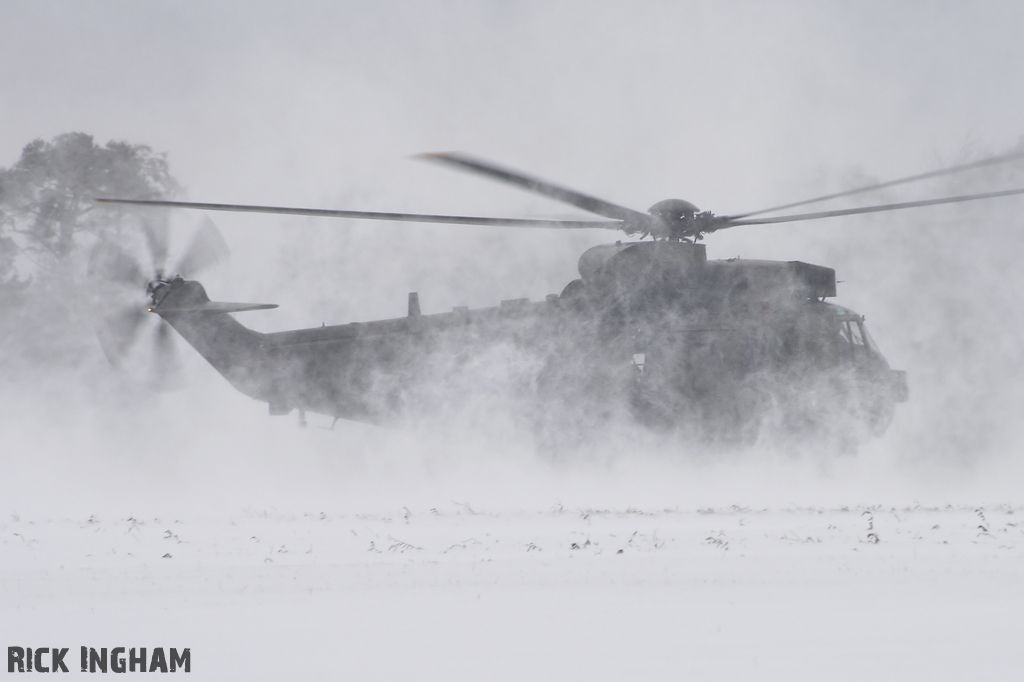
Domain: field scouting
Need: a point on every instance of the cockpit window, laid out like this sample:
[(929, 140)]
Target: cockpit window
[(827, 334), (855, 337), (852, 333)]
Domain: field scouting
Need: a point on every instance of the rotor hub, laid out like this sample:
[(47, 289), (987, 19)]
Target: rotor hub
[(673, 209), (161, 285), (681, 220)]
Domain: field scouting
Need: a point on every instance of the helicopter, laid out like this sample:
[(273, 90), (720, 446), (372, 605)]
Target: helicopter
[(652, 333)]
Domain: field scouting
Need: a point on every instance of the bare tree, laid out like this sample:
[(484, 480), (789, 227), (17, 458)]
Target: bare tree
[(46, 213), (46, 198)]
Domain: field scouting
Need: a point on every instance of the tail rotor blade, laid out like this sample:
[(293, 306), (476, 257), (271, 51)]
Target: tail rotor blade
[(165, 372), (157, 232), (109, 263), (207, 248), (117, 332)]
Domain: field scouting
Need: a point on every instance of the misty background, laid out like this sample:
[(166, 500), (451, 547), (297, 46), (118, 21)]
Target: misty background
[(733, 106)]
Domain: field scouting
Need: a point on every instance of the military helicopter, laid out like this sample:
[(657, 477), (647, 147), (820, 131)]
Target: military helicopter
[(652, 332)]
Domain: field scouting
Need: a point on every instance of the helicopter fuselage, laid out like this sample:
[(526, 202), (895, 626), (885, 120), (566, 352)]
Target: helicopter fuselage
[(651, 332)]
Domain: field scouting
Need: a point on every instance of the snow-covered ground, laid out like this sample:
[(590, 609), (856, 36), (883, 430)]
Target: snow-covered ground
[(277, 553), (458, 593)]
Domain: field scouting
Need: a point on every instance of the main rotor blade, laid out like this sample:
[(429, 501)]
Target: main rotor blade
[(206, 248), (543, 187), (990, 161), (370, 215), (729, 222)]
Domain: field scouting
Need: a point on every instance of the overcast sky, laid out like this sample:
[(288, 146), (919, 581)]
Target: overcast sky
[(727, 102), (731, 105)]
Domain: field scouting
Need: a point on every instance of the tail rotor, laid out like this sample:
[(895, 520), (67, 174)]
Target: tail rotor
[(127, 295)]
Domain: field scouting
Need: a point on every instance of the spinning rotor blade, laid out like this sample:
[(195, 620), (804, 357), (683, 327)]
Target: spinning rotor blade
[(157, 233), (165, 371), (729, 222), (991, 161), (370, 215), (538, 186), (118, 331), (110, 263), (207, 248)]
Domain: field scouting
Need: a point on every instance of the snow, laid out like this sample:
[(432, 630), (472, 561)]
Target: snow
[(459, 592), (194, 520)]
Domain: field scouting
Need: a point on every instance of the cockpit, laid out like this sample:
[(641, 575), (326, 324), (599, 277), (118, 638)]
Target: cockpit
[(852, 332), (825, 334)]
